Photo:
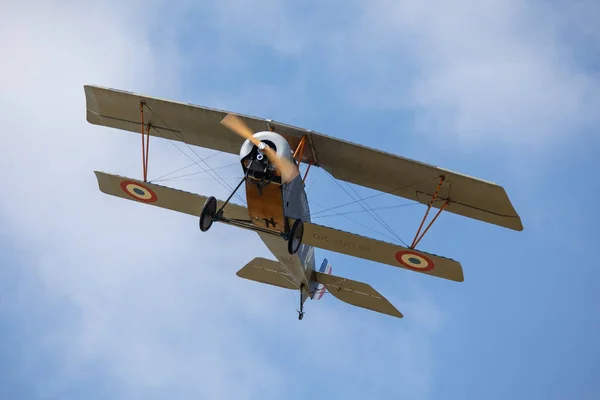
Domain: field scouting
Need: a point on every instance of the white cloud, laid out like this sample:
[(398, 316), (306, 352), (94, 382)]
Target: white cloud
[(502, 71), (149, 298), (496, 70), (130, 286)]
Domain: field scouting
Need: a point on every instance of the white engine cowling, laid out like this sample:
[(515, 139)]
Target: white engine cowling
[(272, 139), (256, 165)]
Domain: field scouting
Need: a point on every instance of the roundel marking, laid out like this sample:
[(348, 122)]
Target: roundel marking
[(139, 191), (414, 261)]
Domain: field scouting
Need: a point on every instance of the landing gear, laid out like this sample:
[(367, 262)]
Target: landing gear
[(209, 212), (295, 237), (301, 312), (207, 216)]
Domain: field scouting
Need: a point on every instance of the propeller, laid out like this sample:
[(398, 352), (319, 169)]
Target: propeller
[(286, 168)]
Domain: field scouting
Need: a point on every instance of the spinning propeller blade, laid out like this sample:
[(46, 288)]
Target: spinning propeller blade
[(286, 168)]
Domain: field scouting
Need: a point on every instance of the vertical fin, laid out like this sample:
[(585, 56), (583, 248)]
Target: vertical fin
[(325, 269)]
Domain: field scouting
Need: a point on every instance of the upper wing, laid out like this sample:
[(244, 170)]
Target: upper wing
[(194, 125), (200, 126), (469, 197), (381, 252)]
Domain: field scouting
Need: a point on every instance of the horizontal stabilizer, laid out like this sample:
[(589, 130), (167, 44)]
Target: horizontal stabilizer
[(382, 252), (161, 196), (356, 293), (267, 271)]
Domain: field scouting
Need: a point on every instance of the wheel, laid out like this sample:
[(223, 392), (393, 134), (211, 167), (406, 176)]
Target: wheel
[(295, 237), (208, 212), (300, 316)]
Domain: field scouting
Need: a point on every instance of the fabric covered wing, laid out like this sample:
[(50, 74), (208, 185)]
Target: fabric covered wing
[(269, 272), (399, 176), (161, 196), (188, 123), (356, 293), (382, 252)]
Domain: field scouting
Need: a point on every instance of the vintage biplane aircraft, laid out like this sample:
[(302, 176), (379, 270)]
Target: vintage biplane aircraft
[(277, 207)]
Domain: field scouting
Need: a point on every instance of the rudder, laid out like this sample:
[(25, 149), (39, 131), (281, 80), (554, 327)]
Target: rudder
[(321, 289)]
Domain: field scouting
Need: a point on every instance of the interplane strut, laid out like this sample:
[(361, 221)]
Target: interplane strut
[(418, 238), (145, 143)]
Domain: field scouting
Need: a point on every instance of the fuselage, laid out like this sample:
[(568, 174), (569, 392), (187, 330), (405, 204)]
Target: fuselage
[(271, 203), (301, 264)]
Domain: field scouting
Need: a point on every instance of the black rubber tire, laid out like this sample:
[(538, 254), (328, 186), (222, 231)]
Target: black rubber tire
[(207, 215), (295, 238)]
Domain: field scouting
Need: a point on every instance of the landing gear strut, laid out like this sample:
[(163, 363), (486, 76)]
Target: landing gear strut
[(210, 213)]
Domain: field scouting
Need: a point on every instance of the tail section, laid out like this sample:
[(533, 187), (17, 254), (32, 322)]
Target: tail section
[(269, 272), (356, 293), (325, 269)]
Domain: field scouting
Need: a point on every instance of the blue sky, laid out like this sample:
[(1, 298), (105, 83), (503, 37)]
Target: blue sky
[(103, 298)]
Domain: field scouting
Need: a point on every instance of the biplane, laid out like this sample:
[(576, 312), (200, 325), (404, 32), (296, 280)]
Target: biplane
[(270, 154)]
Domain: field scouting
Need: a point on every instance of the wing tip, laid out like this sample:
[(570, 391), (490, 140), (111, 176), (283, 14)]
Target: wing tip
[(519, 227), (99, 175)]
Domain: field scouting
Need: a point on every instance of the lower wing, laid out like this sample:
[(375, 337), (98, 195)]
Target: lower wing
[(314, 235)]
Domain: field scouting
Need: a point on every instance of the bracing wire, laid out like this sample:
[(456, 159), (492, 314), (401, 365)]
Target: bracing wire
[(164, 177), (337, 214), (370, 197), (218, 178), (356, 222), (372, 214)]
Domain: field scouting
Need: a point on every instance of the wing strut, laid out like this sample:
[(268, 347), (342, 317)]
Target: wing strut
[(418, 238), (298, 153), (145, 143)]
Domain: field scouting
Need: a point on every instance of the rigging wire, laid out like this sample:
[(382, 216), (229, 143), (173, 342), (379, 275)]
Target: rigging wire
[(371, 197), (222, 182), (372, 214), (356, 222), (373, 209), (377, 217), (160, 178), (164, 177), (200, 179)]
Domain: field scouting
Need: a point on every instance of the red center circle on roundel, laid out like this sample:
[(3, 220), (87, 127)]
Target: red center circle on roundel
[(428, 263), (138, 196)]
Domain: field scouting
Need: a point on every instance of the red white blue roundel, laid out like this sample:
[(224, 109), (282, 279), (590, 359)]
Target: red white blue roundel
[(413, 260), (139, 191)]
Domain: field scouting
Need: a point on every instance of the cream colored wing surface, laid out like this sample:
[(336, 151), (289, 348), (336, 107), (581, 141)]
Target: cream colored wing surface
[(375, 169), (194, 125), (382, 252), (161, 196), (269, 272), (414, 180), (356, 293)]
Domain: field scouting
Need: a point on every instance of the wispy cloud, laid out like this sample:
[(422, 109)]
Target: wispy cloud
[(141, 295), (508, 72)]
